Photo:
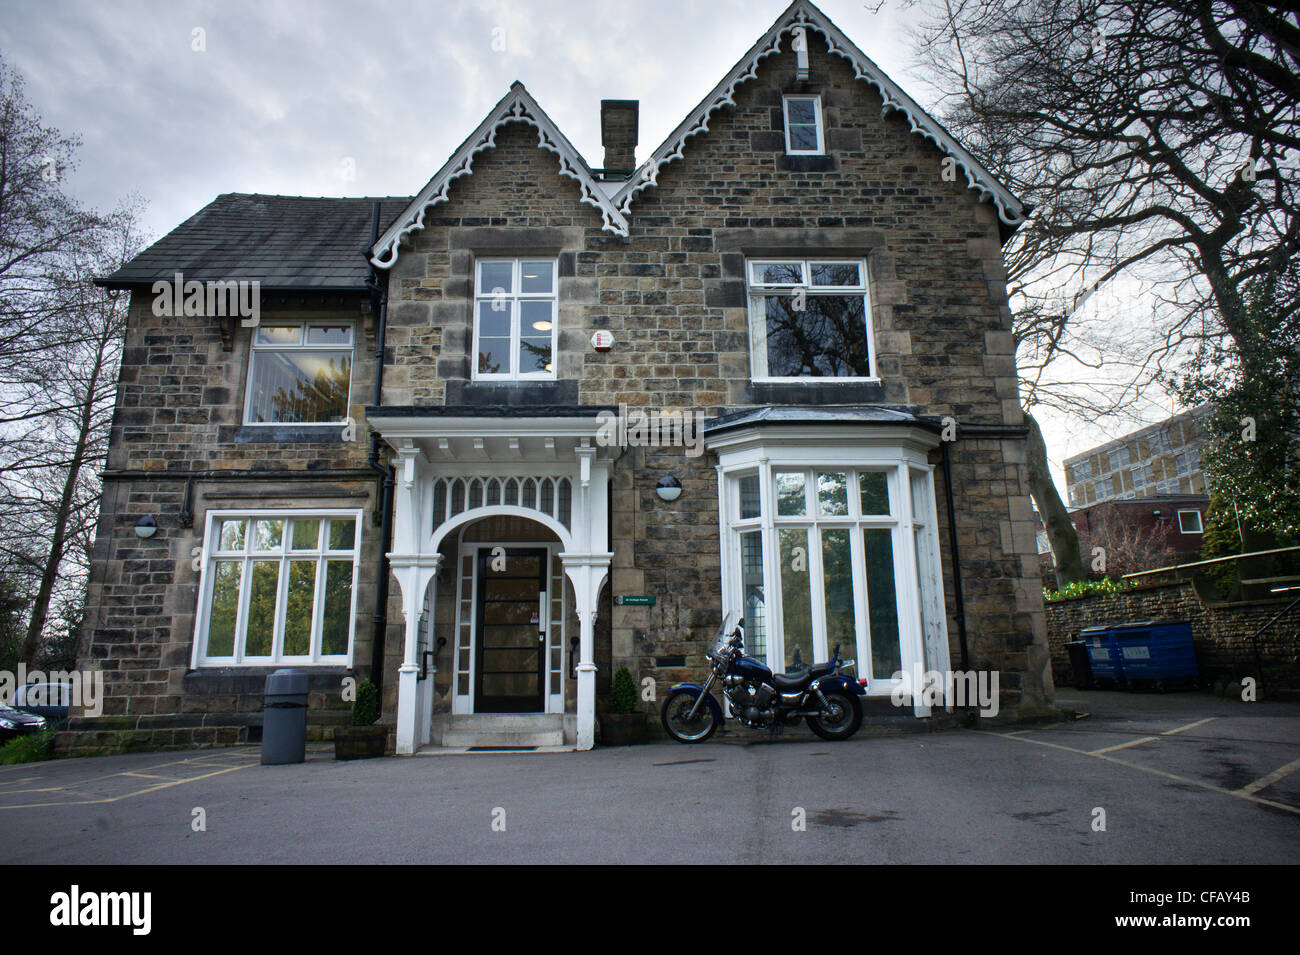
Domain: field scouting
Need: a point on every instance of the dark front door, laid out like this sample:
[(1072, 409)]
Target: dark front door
[(511, 634)]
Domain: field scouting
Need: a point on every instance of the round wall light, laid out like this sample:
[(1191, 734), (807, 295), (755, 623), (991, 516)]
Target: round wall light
[(146, 527), (668, 488)]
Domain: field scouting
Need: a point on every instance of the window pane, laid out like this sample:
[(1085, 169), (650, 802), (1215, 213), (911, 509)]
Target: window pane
[(833, 493), (537, 318), (776, 273), (826, 338), (836, 273), (751, 588), (343, 533), (494, 276), (261, 608), (338, 608), (299, 387), (536, 276), (230, 536), (874, 486), (749, 497), (267, 535), (882, 603), (297, 615), (803, 138), (837, 571), (279, 334), (306, 534), (494, 322), (801, 110), (790, 501), (796, 602), (225, 608), (329, 335)]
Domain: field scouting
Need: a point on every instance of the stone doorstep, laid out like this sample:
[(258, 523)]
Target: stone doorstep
[(491, 729)]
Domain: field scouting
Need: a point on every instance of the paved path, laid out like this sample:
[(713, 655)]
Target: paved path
[(1183, 778)]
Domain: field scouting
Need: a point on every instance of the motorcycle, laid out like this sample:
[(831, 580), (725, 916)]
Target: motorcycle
[(822, 695)]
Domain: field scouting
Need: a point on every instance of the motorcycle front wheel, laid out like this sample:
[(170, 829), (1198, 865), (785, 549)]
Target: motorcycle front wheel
[(675, 715), (842, 718)]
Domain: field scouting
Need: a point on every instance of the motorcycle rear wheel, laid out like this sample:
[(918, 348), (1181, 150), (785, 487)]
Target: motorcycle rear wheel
[(674, 713), (844, 719)]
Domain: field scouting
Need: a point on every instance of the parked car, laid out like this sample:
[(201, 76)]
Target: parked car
[(50, 700), (15, 723)]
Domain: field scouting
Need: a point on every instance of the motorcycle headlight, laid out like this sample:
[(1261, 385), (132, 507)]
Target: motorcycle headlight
[(6, 724)]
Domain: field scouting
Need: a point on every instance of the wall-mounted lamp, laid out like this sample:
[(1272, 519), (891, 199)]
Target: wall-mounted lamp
[(146, 527), (668, 488)]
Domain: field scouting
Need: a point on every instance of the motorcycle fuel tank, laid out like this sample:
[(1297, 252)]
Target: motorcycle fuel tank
[(751, 669)]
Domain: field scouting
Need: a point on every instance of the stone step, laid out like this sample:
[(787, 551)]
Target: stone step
[(503, 729)]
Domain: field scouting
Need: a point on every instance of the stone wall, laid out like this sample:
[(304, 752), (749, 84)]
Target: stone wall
[(1221, 631)]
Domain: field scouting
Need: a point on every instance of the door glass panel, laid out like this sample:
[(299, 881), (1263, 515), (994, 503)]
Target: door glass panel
[(796, 603), (882, 603)]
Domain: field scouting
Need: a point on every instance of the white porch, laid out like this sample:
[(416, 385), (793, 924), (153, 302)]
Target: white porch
[(456, 471)]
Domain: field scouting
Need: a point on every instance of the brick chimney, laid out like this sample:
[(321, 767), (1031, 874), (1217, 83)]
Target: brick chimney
[(618, 123)]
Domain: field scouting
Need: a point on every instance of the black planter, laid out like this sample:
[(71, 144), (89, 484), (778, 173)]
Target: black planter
[(359, 742), (623, 729)]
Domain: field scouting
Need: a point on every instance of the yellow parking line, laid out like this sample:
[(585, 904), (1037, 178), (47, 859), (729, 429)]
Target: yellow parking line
[(1111, 749), (1266, 781), (146, 776), (138, 792), (1208, 719), (1154, 772)]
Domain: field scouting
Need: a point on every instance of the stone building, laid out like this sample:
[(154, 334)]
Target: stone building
[(438, 463)]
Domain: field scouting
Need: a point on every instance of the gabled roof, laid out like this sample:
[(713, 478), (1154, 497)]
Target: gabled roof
[(804, 14), (517, 105), (283, 242)]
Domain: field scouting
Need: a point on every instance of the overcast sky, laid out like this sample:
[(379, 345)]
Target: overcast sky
[(178, 102)]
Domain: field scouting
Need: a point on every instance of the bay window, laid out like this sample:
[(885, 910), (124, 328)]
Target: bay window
[(278, 587), (827, 545)]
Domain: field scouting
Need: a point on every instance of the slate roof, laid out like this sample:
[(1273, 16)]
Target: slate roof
[(815, 415), (283, 242)]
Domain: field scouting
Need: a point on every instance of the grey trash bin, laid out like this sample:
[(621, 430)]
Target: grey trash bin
[(284, 718)]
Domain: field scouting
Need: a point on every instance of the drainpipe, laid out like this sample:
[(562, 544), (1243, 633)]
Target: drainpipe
[(377, 283), (956, 559)]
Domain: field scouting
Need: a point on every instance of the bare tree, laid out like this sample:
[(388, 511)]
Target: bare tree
[(60, 343), (1157, 141)]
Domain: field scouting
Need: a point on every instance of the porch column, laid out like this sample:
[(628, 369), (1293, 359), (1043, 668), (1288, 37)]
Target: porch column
[(587, 573), (414, 573)]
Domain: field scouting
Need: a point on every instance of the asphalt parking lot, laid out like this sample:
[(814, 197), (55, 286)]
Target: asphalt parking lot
[(1179, 778)]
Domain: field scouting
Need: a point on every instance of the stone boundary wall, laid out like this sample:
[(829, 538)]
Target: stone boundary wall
[(1221, 631)]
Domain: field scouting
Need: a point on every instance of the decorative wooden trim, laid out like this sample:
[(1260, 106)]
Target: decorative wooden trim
[(804, 14), (517, 105)]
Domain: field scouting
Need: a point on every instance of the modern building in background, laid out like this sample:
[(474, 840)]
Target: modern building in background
[(1161, 459)]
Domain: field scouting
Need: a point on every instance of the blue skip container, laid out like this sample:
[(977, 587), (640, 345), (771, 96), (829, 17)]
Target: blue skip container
[(1156, 653)]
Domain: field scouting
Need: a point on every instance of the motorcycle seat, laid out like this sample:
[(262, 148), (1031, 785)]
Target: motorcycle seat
[(790, 682)]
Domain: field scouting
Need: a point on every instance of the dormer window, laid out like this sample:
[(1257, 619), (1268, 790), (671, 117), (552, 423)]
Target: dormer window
[(804, 135)]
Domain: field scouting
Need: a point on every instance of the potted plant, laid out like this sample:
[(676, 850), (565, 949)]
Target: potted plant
[(363, 739), (623, 725)]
